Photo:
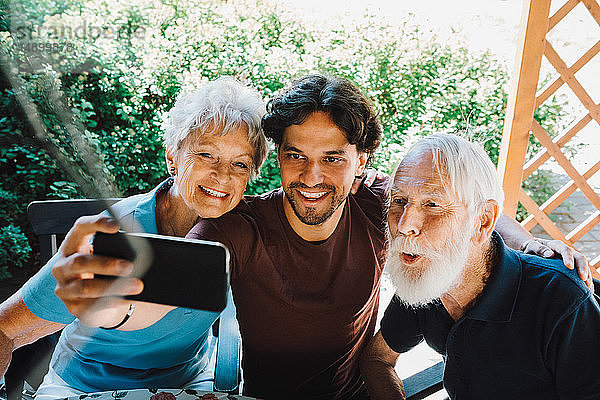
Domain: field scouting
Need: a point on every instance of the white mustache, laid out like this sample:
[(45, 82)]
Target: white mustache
[(402, 244)]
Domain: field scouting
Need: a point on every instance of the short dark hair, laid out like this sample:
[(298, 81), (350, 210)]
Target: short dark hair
[(347, 106)]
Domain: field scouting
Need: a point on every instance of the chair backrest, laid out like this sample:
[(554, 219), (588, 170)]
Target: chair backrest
[(51, 220)]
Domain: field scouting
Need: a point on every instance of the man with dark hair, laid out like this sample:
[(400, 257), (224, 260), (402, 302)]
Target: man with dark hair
[(306, 260)]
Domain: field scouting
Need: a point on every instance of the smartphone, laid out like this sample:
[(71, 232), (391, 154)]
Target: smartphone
[(175, 271)]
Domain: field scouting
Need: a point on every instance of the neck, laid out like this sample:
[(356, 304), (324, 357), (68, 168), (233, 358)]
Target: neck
[(473, 279), (173, 216), (312, 233)]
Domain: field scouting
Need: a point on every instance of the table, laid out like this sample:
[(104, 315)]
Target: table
[(160, 394)]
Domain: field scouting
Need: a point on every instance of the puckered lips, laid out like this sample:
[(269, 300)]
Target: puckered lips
[(312, 196), (212, 192), (410, 258)]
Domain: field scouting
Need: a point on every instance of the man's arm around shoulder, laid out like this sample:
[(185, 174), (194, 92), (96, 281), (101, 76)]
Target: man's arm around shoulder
[(18, 327), (377, 364)]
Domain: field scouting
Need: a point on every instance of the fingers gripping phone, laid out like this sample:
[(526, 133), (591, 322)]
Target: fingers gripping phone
[(175, 271)]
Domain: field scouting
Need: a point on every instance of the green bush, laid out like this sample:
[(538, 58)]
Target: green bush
[(14, 250)]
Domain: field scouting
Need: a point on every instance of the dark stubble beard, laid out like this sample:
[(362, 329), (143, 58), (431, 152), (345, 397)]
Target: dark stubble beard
[(311, 217)]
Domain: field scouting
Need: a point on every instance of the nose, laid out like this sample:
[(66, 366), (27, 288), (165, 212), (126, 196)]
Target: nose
[(220, 171), (312, 174), (410, 221)]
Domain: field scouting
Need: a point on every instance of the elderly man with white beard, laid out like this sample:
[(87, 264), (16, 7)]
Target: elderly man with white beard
[(509, 325)]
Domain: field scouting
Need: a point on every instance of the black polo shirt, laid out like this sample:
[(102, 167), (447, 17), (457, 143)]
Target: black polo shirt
[(534, 333)]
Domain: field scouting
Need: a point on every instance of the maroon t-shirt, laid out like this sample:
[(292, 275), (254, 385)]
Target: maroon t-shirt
[(305, 309)]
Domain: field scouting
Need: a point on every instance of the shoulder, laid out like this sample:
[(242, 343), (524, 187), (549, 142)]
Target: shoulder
[(373, 201), (552, 271), (260, 204), (378, 191), (127, 206), (138, 213), (239, 228), (551, 285), (242, 220)]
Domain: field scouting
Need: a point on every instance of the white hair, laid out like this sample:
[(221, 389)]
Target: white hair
[(465, 168), (223, 104)]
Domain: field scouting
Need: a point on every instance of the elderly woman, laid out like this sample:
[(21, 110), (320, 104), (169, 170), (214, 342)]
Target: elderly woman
[(214, 145)]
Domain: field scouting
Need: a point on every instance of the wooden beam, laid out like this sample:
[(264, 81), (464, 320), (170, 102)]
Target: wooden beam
[(583, 228), (594, 9), (521, 101), (562, 160), (550, 89), (584, 59), (573, 83), (561, 13), (561, 195), (542, 218), (542, 156), (595, 264), (567, 190)]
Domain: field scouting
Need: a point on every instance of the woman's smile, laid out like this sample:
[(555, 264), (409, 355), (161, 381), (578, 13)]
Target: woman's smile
[(213, 192)]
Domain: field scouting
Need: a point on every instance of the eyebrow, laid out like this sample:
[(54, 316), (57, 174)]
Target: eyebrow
[(339, 152), (287, 147), (199, 147), (433, 193), (336, 152)]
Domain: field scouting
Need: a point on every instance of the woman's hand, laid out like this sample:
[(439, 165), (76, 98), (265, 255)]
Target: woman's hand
[(571, 257), (94, 300)]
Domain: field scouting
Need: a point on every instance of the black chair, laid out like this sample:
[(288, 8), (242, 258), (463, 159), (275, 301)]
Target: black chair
[(51, 220), (425, 383)]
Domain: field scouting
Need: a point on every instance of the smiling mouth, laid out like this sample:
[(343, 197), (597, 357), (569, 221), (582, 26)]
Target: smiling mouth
[(213, 192), (410, 258), (312, 196)]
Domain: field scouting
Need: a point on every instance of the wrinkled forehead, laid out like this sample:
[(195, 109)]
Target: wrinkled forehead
[(419, 173)]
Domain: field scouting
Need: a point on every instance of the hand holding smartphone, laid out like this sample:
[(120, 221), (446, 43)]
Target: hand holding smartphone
[(175, 271)]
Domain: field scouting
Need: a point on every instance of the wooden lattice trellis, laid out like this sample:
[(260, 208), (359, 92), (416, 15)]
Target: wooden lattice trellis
[(519, 122)]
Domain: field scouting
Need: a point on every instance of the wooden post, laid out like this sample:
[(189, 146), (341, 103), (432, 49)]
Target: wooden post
[(521, 100)]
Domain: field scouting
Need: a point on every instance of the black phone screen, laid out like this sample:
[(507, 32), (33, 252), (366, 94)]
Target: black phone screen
[(175, 271)]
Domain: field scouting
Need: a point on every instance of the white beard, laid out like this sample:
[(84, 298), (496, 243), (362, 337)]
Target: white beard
[(418, 286)]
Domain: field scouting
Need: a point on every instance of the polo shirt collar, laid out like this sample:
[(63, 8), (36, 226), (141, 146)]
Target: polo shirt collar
[(145, 209), (497, 302)]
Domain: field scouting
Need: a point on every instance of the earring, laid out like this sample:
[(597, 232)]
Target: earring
[(172, 171)]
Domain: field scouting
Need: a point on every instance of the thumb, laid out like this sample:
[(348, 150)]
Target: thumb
[(78, 238)]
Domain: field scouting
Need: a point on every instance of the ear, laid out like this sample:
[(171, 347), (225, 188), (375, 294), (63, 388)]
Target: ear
[(170, 158), (486, 221), (362, 163)]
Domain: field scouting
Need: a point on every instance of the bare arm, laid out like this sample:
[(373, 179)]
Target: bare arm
[(18, 327), (377, 364), (513, 234)]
